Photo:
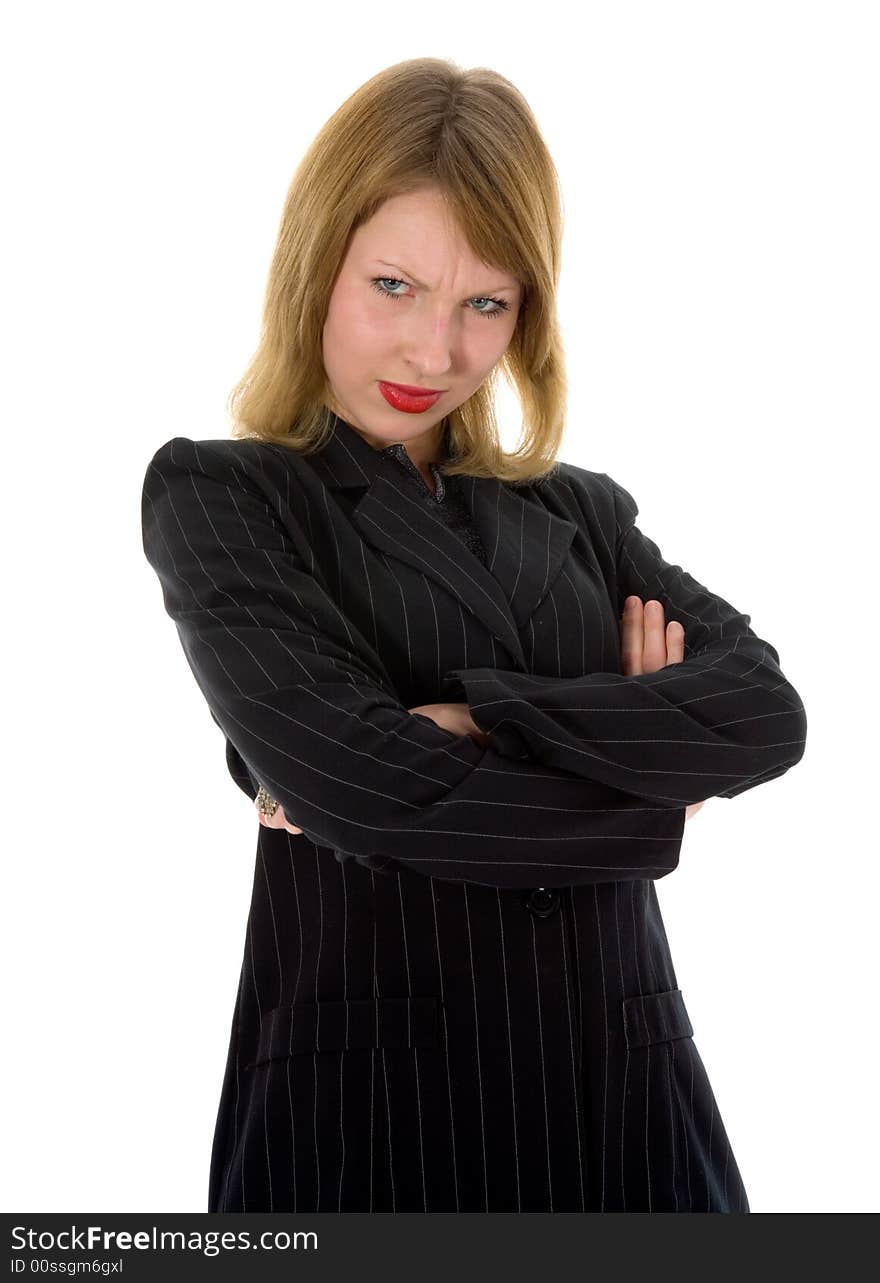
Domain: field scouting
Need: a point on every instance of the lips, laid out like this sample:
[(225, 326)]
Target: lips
[(407, 398), (412, 390)]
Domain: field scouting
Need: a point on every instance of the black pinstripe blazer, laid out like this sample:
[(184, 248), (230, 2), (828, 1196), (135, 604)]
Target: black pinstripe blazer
[(473, 1007)]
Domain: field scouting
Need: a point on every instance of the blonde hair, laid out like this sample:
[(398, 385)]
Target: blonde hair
[(422, 123)]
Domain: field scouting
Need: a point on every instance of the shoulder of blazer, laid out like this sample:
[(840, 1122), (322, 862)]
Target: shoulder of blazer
[(602, 503), (266, 473), (249, 454), (264, 468)]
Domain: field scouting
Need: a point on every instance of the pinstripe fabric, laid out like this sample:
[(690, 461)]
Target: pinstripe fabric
[(473, 1007)]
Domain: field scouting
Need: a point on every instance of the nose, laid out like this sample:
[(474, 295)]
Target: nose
[(429, 345)]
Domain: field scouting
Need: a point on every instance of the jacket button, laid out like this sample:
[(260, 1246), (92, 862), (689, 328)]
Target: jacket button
[(543, 901)]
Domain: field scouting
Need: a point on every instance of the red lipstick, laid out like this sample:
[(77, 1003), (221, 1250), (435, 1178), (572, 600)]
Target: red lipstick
[(410, 399)]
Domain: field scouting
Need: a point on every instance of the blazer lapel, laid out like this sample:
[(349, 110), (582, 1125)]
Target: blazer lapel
[(525, 544)]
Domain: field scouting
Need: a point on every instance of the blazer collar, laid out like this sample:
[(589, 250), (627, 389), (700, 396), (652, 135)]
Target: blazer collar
[(525, 543)]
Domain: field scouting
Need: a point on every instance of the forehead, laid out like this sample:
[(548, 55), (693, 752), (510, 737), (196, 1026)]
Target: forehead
[(419, 231)]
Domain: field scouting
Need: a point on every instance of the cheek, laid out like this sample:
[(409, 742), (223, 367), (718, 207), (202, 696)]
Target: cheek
[(359, 324), (490, 342), (350, 332)]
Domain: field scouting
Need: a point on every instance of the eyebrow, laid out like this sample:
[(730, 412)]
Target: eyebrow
[(397, 267)]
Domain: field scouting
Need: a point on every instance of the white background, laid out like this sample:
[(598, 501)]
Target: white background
[(719, 306)]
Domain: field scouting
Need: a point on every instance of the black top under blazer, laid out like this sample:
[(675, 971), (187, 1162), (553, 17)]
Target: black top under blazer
[(457, 993)]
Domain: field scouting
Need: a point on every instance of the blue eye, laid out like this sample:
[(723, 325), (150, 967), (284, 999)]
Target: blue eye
[(378, 284)]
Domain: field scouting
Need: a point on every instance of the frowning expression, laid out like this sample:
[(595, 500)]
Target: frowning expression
[(412, 305)]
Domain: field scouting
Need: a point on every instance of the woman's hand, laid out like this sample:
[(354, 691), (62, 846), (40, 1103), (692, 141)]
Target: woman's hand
[(276, 821), (647, 643), (455, 718)]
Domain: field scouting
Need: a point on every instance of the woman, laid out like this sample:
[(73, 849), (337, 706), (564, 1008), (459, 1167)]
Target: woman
[(413, 643)]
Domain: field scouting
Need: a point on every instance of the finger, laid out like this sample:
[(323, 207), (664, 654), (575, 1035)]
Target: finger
[(282, 822), (674, 642), (275, 821), (263, 818), (632, 637), (654, 654), (278, 821)]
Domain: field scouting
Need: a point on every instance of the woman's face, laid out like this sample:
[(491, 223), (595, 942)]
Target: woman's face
[(412, 305)]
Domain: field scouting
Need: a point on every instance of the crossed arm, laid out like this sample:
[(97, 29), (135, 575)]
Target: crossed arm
[(583, 779), (647, 643)]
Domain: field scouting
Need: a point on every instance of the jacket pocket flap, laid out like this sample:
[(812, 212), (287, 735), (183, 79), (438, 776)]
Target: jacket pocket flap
[(655, 1017), (344, 1025)]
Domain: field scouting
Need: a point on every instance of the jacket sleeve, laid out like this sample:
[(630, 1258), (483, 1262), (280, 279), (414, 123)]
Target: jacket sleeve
[(719, 722), (310, 711)]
